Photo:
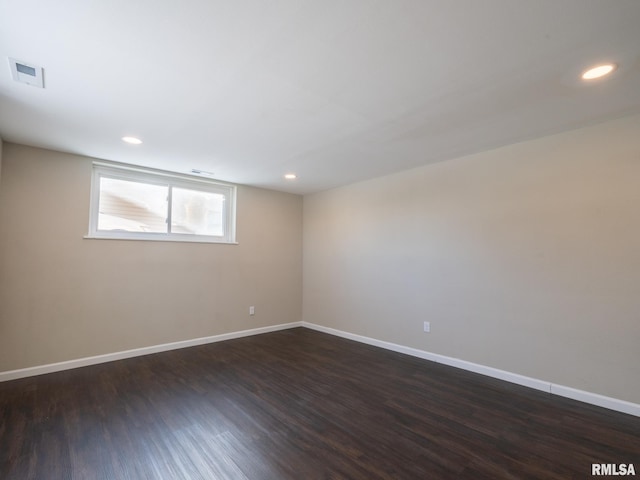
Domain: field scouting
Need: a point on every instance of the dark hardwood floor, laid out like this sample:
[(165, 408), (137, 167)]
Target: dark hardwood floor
[(298, 404)]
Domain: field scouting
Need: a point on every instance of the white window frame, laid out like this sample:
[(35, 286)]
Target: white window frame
[(169, 179)]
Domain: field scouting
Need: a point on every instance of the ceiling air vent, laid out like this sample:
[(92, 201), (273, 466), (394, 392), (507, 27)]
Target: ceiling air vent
[(28, 73)]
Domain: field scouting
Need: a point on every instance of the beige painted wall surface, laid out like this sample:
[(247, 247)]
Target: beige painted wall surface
[(525, 258), (63, 297)]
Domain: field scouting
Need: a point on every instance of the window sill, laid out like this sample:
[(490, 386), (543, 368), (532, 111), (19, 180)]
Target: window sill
[(159, 239)]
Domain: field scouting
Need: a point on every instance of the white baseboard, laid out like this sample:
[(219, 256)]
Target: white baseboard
[(596, 399), (136, 352), (560, 390)]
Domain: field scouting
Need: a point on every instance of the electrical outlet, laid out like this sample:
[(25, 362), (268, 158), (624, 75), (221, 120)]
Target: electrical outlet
[(427, 327), (252, 310)]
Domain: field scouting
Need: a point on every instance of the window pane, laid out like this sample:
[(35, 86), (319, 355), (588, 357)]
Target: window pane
[(197, 213), (132, 206)]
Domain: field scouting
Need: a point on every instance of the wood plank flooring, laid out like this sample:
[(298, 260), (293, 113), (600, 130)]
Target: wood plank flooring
[(298, 404)]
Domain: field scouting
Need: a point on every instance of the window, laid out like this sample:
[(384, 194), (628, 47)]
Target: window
[(138, 204)]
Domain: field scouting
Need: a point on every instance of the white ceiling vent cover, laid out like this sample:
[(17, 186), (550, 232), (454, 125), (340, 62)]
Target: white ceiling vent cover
[(28, 73)]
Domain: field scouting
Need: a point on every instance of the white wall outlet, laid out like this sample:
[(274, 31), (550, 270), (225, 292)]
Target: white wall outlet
[(427, 327), (252, 310)]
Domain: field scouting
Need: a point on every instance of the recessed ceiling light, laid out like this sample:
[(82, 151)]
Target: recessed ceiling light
[(132, 140), (290, 176), (598, 71)]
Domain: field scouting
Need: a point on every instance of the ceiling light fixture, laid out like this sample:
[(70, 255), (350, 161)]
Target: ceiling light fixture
[(290, 176), (598, 71), (132, 140)]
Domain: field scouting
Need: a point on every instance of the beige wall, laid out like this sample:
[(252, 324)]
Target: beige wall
[(63, 297), (524, 258)]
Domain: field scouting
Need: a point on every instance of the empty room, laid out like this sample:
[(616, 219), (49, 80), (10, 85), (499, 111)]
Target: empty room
[(273, 240)]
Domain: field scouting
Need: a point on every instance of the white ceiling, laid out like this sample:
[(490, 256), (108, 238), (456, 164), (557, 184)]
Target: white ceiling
[(333, 90)]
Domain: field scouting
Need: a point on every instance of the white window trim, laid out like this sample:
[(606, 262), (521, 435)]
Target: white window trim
[(160, 177)]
